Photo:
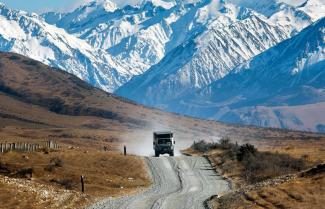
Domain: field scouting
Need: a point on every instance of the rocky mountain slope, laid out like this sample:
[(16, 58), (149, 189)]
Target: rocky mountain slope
[(282, 87), (171, 48), (140, 36), (215, 53), (208, 58), (28, 34)]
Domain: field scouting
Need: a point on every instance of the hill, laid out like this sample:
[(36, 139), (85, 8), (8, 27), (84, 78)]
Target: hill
[(37, 102)]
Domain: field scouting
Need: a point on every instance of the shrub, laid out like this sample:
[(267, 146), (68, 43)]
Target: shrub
[(49, 168), (57, 162), (23, 173), (265, 165), (67, 183), (4, 168), (245, 151), (203, 146), (225, 143)]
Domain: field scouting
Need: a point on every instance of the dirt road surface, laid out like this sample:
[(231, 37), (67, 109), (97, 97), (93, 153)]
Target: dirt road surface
[(178, 183)]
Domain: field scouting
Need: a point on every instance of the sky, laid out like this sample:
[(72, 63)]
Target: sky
[(40, 6)]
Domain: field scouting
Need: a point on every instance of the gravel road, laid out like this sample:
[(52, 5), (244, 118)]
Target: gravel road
[(178, 183)]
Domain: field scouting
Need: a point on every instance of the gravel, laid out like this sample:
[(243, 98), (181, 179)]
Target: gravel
[(178, 182)]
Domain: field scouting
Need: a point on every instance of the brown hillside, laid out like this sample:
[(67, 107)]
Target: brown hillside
[(38, 102)]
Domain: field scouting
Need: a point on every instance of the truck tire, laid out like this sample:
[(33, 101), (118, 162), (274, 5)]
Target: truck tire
[(156, 154), (171, 154)]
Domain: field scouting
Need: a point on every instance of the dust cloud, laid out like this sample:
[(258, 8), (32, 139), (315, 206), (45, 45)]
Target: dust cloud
[(141, 142)]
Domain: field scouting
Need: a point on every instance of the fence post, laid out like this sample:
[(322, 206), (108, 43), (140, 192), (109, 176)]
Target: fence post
[(82, 184), (124, 150)]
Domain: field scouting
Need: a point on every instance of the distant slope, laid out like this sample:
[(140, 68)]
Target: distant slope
[(282, 87), (38, 102)]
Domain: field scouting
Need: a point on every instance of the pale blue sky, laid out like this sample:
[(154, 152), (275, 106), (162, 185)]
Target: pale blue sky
[(40, 6)]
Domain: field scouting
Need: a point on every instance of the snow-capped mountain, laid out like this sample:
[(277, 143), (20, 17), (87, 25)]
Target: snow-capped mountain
[(213, 54), (282, 87), (236, 34), (207, 58), (140, 36), (314, 8), (172, 49), (29, 35)]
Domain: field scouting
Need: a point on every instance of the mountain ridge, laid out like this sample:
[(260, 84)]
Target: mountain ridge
[(289, 75)]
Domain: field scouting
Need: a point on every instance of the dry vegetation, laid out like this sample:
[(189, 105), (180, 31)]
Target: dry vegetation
[(301, 191), (253, 165), (270, 176), (40, 103), (20, 193), (106, 174)]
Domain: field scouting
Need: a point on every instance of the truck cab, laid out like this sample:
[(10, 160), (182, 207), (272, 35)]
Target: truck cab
[(163, 143)]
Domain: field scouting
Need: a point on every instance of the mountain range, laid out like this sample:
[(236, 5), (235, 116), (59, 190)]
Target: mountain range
[(172, 54)]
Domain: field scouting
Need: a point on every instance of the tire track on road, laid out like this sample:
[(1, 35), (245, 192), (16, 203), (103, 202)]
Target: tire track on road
[(177, 183)]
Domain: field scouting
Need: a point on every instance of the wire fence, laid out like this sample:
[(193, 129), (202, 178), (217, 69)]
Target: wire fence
[(27, 147)]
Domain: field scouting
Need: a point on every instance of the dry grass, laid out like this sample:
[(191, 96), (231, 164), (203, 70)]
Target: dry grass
[(313, 151), (106, 174), (300, 193), (21, 193), (254, 165), (37, 103)]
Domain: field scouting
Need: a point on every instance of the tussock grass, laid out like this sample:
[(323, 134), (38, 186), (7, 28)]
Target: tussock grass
[(256, 165), (105, 173)]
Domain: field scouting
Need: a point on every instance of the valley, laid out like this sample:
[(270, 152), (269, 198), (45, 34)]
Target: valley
[(172, 55), (93, 97), (41, 103)]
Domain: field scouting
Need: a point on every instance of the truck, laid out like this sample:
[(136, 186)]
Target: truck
[(163, 143)]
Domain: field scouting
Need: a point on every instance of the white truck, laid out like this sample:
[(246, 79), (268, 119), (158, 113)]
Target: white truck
[(163, 143)]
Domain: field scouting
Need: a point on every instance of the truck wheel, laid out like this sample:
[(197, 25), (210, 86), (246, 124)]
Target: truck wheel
[(171, 154), (156, 154)]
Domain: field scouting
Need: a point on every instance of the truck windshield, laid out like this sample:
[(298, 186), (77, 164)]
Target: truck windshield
[(163, 141)]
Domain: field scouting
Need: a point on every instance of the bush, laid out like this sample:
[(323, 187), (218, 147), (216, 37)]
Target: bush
[(57, 162), (265, 165), (67, 183), (4, 168), (246, 151), (49, 168), (224, 143), (23, 173), (257, 166), (203, 146)]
